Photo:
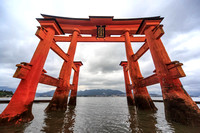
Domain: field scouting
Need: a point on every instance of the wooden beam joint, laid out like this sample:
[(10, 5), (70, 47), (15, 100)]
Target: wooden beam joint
[(41, 33), (158, 31), (61, 53), (175, 71), (24, 68), (140, 52)]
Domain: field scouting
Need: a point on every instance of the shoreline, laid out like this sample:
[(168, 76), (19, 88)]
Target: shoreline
[(45, 101)]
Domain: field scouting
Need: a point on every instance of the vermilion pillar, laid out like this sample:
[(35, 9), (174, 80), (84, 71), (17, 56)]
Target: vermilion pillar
[(72, 100), (19, 108), (142, 98), (179, 106), (129, 95), (60, 97)]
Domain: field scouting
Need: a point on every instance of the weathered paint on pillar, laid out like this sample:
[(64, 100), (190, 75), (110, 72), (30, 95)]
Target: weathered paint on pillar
[(72, 100), (19, 108), (142, 98), (179, 106), (129, 95), (60, 97)]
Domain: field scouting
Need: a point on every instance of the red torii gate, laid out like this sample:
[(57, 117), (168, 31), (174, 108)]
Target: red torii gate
[(179, 106)]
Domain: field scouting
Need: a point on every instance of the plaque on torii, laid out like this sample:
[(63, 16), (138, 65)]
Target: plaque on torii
[(101, 31)]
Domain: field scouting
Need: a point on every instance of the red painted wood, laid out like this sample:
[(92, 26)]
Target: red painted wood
[(72, 100), (94, 39), (141, 95), (179, 106), (141, 51), (129, 95), (61, 53), (19, 108), (60, 97)]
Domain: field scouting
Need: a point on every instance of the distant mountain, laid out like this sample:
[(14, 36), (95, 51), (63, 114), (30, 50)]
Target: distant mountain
[(85, 93), (45, 94), (155, 95), (194, 93), (100, 92), (97, 92), (7, 88)]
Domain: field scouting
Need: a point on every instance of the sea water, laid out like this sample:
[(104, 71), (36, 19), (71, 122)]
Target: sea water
[(99, 115)]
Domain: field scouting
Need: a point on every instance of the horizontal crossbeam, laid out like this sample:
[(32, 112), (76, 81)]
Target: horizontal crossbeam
[(175, 71), (151, 80), (94, 39), (24, 68), (48, 80)]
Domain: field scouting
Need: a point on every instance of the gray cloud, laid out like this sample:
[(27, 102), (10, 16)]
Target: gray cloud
[(101, 60)]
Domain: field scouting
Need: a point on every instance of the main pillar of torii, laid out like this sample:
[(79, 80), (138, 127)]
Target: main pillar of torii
[(129, 95), (142, 98), (19, 108), (73, 95), (60, 97), (179, 106)]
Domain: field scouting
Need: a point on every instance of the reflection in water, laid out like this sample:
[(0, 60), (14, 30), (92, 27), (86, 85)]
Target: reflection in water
[(69, 120), (14, 128), (59, 121), (179, 128), (97, 114), (142, 121)]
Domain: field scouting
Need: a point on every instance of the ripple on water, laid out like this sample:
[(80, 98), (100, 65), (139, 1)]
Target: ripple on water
[(98, 114)]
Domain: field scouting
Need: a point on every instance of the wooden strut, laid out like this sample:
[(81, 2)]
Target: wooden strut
[(142, 98), (41, 34), (24, 68), (174, 68), (179, 106)]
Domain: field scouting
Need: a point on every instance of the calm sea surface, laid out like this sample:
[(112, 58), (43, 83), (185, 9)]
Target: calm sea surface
[(99, 115)]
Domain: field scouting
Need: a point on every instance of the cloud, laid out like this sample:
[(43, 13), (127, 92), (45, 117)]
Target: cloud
[(101, 60)]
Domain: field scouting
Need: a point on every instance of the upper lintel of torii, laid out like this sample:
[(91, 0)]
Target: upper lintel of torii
[(89, 25)]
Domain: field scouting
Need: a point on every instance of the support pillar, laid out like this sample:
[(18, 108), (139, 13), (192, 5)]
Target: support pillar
[(72, 100), (142, 98), (179, 106), (60, 97), (129, 95), (19, 108)]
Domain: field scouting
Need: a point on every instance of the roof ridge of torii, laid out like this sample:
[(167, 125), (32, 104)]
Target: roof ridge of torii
[(144, 18), (136, 25), (179, 106)]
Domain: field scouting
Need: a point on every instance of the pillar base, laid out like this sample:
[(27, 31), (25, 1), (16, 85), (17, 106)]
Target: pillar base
[(179, 106), (182, 110), (59, 101), (24, 116), (130, 101), (72, 101), (144, 102)]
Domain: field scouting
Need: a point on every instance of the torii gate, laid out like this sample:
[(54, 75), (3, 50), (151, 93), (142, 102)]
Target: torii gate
[(179, 106)]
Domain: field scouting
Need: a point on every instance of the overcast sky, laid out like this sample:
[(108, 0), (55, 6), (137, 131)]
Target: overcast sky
[(101, 68)]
